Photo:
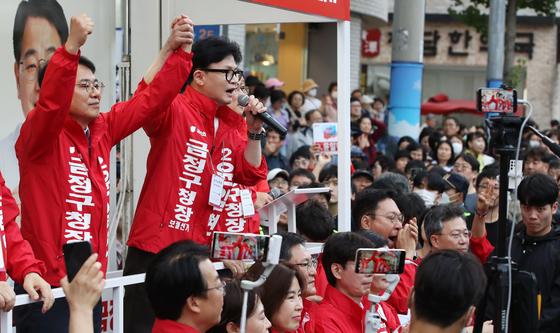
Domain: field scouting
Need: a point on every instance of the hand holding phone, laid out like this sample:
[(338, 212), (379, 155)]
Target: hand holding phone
[(75, 255)]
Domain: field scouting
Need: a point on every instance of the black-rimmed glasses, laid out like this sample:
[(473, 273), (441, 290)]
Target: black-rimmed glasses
[(229, 73)]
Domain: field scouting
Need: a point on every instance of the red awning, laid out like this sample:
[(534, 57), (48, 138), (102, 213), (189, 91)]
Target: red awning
[(441, 104)]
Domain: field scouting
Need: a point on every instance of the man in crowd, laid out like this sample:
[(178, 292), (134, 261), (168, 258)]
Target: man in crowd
[(451, 127), (65, 139), (446, 228), (342, 309), (39, 29), (184, 289), (448, 286), (536, 160), (467, 166), (272, 151), (189, 170), (278, 178), (300, 177), (362, 179), (536, 246), (376, 210), (458, 187)]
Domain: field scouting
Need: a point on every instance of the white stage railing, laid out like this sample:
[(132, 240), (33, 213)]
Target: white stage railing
[(116, 283)]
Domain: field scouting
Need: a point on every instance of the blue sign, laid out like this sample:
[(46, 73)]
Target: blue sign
[(205, 31)]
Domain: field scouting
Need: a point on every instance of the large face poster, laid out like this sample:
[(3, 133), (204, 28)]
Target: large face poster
[(30, 31)]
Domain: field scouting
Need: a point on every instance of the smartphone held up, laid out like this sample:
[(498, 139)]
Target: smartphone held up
[(380, 261)]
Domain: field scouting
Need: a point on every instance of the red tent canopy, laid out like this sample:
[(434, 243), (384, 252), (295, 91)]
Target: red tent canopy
[(441, 104)]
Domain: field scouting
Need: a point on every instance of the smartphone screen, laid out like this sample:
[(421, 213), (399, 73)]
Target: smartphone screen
[(496, 100), (75, 254), (234, 246), (380, 261)]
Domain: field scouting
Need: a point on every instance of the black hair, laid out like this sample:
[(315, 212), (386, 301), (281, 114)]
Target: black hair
[(50, 10), (554, 163), (538, 154), (366, 203), (173, 276), (328, 172), (276, 95), (301, 172), (341, 248), (212, 50), (413, 146), (261, 92), (289, 240), (454, 119), (487, 172), (442, 142), (475, 135), (410, 205), (309, 113), (402, 153), (393, 181), (314, 221), (293, 94), (385, 162), (82, 61), (434, 139), (537, 190), (233, 304), (475, 165), (414, 165), (302, 151), (252, 80), (377, 240), (332, 85), (380, 100), (437, 215), (427, 131), (447, 277), (405, 138), (354, 99)]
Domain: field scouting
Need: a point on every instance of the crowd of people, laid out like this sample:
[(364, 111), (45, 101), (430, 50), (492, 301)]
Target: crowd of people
[(212, 165)]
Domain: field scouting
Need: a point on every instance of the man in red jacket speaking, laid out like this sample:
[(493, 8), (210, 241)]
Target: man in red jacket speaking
[(64, 150), (190, 167)]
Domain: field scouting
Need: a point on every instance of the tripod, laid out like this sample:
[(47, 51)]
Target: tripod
[(504, 133), (373, 321)]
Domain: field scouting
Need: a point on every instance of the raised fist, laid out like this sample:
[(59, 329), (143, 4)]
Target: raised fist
[(80, 27), (182, 34)]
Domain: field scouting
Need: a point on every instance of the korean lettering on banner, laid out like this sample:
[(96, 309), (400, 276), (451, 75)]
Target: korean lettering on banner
[(107, 179), (460, 43), (194, 161), (326, 136), (107, 315), (78, 216), (230, 207)]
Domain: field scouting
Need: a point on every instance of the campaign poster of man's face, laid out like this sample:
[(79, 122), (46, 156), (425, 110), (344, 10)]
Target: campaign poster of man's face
[(39, 29)]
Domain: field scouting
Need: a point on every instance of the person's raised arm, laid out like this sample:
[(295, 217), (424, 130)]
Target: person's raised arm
[(45, 122), (182, 35)]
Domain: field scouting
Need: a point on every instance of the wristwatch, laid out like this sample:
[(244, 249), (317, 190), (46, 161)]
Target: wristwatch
[(256, 136)]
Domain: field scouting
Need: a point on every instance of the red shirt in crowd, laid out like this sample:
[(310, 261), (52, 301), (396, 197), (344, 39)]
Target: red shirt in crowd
[(64, 185), (185, 153), (17, 258), (399, 297), (171, 326), (339, 313)]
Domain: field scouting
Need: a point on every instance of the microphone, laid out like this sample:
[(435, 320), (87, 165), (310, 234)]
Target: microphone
[(243, 100), (554, 147)]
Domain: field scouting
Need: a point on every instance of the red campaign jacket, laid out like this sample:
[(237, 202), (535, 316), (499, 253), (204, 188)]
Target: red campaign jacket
[(307, 324), (321, 281), (481, 248), (399, 297), (231, 218), (64, 186), (171, 326), (17, 258), (173, 204), (338, 313)]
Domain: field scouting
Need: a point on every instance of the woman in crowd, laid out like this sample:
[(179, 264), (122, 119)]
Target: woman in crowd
[(368, 136), (231, 313), (444, 155), (281, 296), (476, 146), (296, 99)]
